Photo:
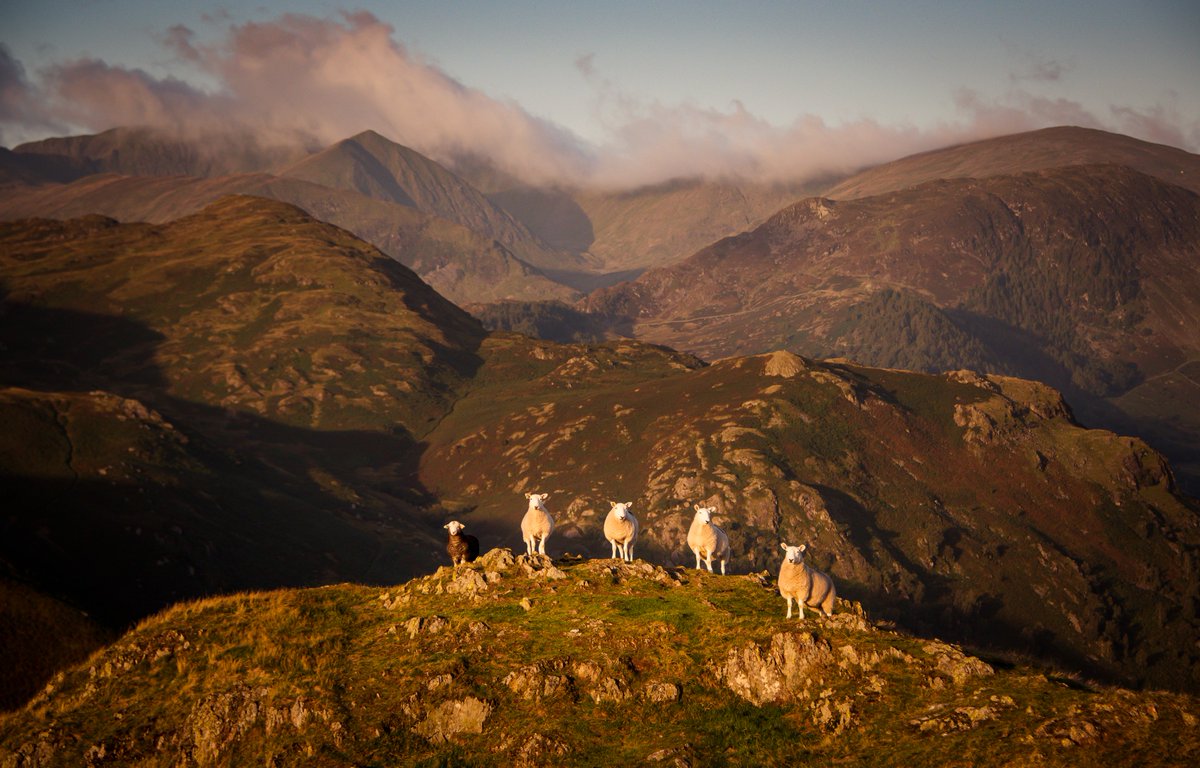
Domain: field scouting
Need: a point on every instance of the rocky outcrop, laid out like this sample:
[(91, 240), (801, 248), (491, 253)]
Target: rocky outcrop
[(451, 718), (788, 667)]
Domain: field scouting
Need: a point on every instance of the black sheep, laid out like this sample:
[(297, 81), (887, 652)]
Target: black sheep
[(461, 548)]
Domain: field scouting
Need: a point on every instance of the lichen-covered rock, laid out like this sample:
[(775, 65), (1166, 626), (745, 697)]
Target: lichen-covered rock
[(536, 684), (467, 582), (782, 671), (429, 625), (833, 715), (498, 559), (537, 749), (955, 664), (451, 718), (784, 364), (662, 693)]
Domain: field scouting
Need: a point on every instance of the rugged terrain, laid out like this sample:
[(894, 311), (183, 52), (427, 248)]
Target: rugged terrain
[(575, 662), (1085, 277), (580, 238), (247, 398), (406, 205)]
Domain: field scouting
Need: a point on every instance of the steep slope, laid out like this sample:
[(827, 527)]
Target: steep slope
[(228, 400), (508, 662), (141, 151), (381, 169), (29, 169), (258, 279), (663, 224), (1020, 153), (40, 636), (462, 265), (1084, 277), (619, 231)]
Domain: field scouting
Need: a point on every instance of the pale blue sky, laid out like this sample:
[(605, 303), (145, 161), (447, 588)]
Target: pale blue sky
[(924, 67)]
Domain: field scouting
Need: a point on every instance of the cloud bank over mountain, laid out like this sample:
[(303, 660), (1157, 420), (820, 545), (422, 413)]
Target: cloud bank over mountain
[(314, 80)]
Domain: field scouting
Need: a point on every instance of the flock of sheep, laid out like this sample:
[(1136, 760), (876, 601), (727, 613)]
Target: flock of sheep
[(707, 541)]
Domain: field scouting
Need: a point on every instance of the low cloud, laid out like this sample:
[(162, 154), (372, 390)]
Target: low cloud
[(302, 79), (20, 109)]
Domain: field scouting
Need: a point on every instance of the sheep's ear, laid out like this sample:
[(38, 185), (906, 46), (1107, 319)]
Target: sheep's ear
[(545, 496), (528, 495), (697, 507), (803, 547), (447, 525), (612, 503), (783, 545), (629, 505)]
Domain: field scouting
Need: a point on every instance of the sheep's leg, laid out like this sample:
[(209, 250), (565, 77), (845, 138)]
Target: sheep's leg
[(799, 608), (789, 602), (629, 551), (722, 567), (708, 562), (542, 545), (696, 552)]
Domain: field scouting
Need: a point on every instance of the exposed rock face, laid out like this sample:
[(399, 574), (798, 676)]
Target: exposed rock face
[(790, 664), (451, 718)]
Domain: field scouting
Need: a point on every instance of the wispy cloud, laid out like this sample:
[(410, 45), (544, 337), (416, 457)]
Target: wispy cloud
[(1034, 67), (317, 80)]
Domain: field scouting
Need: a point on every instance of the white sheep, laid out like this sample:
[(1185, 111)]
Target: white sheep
[(537, 524), (706, 540), (808, 586), (621, 530)]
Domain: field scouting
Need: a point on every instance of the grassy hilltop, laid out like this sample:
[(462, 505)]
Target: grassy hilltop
[(573, 662)]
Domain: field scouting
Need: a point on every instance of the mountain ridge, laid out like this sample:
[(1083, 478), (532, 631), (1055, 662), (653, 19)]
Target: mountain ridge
[(1038, 150)]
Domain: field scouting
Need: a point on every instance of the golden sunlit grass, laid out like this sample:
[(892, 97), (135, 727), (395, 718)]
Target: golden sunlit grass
[(349, 671)]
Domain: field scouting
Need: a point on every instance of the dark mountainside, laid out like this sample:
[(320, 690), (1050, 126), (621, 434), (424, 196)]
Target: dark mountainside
[(1084, 277), (248, 398), (224, 402), (138, 151)]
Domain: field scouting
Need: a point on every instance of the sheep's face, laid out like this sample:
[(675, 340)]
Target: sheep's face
[(536, 500), (704, 514), (621, 509), (794, 554), (454, 527)]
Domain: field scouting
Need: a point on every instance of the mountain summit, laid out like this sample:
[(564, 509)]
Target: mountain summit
[(376, 167)]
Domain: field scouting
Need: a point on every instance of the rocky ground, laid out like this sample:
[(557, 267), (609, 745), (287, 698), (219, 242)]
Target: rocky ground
[(528, 661)]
